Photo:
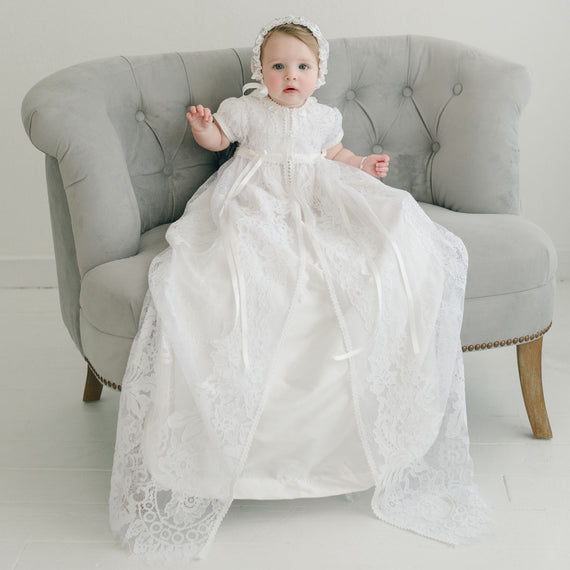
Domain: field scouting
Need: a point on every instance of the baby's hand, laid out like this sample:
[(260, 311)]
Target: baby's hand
[(200, 118), (376, 165)]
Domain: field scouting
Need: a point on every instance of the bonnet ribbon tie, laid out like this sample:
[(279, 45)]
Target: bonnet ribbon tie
[(258, 88)]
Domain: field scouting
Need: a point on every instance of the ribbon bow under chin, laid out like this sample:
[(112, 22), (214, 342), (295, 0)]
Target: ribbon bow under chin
[(258, 89)]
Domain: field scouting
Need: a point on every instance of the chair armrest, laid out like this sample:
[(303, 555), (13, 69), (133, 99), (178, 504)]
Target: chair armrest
[(102, 206)]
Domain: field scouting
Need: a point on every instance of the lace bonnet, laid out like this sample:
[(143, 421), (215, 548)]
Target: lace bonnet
[(314, 29)]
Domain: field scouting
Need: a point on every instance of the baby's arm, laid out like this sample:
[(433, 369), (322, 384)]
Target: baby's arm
[(374, 164), (207, 133)]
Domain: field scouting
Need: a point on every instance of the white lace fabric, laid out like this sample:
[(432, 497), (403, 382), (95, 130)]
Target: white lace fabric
[(220, 304)]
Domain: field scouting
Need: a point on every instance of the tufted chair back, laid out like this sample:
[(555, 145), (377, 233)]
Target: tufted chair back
[(446, 114)]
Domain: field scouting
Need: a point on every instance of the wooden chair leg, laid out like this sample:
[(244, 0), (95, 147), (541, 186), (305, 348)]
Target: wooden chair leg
[(93, 387), (529, 358)]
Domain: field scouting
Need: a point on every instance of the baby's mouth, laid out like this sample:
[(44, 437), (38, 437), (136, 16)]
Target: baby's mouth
[(290, 90)]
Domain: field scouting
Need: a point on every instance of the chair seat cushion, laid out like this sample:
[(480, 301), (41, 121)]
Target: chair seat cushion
[(507, 253), (112, 294)]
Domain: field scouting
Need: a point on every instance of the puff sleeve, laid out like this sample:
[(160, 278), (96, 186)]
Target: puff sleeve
[(231, 116)]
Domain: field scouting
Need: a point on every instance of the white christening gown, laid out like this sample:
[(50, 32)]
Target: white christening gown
[(300, 338)]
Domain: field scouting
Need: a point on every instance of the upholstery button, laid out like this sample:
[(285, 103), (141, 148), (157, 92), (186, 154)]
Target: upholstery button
[(139, 116), (350, 95), (435, 146), (457, 89), (377, 149), (407, 91), (167, 170)]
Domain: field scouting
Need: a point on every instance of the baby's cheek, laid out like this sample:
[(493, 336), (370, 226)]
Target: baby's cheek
[(271, 81), (273, 85)]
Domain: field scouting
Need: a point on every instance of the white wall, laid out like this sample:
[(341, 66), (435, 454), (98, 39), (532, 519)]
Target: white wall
[(38, 38)]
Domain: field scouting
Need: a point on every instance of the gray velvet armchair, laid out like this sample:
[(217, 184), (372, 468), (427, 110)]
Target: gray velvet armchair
[(121, 164)]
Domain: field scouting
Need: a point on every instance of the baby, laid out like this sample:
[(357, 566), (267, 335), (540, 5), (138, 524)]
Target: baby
[(300, 337), (290, 72)]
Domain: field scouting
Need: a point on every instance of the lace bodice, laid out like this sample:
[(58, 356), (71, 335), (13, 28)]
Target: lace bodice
[(262, 125)]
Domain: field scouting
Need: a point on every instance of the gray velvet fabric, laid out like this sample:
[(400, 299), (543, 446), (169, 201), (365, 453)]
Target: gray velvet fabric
[(507, 254), (69, 281), (121, 165), (112, 294)]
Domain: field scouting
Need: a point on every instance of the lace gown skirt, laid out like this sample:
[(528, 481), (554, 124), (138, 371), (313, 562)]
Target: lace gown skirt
[(297, 340)]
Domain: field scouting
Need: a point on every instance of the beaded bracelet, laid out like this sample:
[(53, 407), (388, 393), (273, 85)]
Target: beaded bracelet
[(362, 162)]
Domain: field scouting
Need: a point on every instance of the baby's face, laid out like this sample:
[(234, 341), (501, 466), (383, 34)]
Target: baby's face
[(290, 70)]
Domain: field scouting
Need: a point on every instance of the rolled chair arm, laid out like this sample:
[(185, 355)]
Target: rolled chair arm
[(103, 209)]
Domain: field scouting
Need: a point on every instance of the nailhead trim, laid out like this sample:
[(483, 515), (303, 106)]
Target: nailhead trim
[(508, 342), (470, 348), (113, 385)]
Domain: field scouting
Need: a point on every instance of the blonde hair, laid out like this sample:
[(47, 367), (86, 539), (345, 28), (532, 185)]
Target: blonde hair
[(298, 31)]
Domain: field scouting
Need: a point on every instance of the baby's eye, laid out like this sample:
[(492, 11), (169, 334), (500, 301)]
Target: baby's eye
[(303, 66), (278, 66)]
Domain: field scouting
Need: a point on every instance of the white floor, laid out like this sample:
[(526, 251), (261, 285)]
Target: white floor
[(56, 454)]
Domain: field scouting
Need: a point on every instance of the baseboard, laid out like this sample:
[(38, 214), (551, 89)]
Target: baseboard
[(27, 272)]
